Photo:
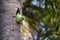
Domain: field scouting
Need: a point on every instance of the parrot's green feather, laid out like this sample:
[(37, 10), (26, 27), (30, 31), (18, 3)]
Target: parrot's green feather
[(19, 18)]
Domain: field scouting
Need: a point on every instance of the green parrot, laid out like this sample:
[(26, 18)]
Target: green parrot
[(19, 17)]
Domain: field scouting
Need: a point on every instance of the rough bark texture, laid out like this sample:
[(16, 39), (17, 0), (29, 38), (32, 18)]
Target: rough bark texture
[(9, 29)]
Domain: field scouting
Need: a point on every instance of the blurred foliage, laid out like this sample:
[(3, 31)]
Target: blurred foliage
[(47, 12)]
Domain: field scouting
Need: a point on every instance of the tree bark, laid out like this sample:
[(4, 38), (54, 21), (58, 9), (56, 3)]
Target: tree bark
[(9, 29)]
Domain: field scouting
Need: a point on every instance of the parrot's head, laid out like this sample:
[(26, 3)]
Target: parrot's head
[(19, 17)]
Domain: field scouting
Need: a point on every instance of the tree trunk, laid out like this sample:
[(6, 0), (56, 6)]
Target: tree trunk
[(9, 29)]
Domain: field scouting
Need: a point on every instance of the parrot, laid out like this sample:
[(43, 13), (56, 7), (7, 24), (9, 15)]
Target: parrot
[(19, 17)]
